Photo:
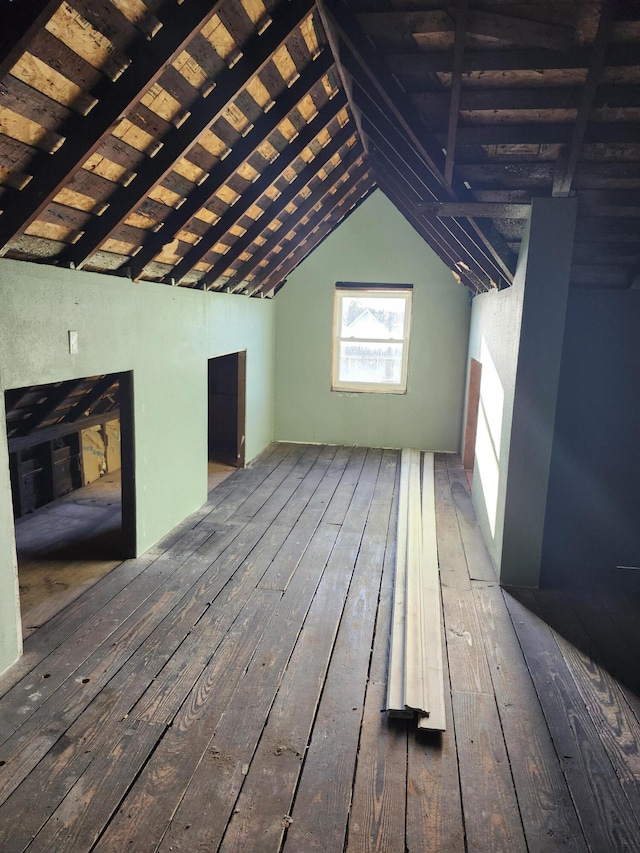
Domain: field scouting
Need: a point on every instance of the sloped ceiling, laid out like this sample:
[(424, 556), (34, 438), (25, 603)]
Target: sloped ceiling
[(215, 144)]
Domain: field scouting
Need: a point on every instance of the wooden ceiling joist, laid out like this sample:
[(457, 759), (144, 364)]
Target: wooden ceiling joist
[(43, 410), (276, 209), (419, 64), (21, 23), (407, 198), (178, 141), (89, 399), (295, 148), (475, 209), (202, 194), (331, 182), (563, 185), (162, 139), (308, 236), (452, 231), (456, 89), (85, 133), (372, 77)]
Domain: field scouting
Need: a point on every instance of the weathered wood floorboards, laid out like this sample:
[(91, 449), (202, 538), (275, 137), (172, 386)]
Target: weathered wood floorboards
[(225, 692)]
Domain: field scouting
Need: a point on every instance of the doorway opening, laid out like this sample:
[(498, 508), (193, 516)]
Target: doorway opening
[(471, 426), (72, 484), (226, 399)]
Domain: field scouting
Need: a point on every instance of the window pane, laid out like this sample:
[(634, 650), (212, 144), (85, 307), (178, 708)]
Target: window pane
[(372, 317), (374, 363)]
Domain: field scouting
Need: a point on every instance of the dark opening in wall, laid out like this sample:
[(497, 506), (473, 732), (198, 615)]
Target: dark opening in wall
[(226, 406), (72, 480)]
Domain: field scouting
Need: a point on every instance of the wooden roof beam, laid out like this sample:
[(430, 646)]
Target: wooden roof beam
[(179, 140), (274, 211), (305, 206), (516, 31), (84, 134), (519, 31), (91, 397), (390, 99), (345, 78), (456, 88), (197, 252), (387, 90), (20, 25), (413, 171), (524, 59), (315, 231), (541, 98), (479, 209), (202, 194), (562, 185), (44, 410), (59, 430), (441, 238), (537, 133), (393, 189)]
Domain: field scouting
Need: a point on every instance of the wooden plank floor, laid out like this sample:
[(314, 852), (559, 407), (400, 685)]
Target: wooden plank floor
[(225, 691), (66, 546)]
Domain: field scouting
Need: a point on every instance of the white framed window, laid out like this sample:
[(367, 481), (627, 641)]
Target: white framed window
[(371, 324)]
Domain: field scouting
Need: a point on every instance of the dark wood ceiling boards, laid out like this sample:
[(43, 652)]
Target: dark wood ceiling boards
[(41, 413), (524, 98), (214, 144)]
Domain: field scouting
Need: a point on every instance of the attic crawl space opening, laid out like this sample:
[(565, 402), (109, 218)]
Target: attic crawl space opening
[(72, 485)]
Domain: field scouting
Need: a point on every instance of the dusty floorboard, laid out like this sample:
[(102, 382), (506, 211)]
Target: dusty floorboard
[(66, 546), (226, 690)]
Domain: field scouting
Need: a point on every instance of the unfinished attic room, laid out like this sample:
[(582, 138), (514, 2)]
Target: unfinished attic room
[(319, 417)]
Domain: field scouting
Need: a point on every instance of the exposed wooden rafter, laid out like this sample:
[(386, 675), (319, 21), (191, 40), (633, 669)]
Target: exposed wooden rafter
[(345, 77), (347, 169), (85, 133), (405, 197), (411, 171), (318, 227), (20, 26), (439, 61), (43, 410), (476, 209), (204, 192), (456, 87), (161, 139), (90, 398), (385, 96), (253, 194), (178, 141), (277, 208), (562, 184)]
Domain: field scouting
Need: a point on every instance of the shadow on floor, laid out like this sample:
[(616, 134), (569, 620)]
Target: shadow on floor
[(596, 609)]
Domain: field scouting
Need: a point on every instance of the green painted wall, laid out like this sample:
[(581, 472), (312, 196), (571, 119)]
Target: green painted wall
[(165, 335), (517, 336), (374, 244)]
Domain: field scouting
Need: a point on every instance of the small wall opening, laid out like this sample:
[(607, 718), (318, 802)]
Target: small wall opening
[(71, 466), (226, 411)]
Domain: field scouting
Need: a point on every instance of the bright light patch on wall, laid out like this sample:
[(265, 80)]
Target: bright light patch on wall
[(489, 434)]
